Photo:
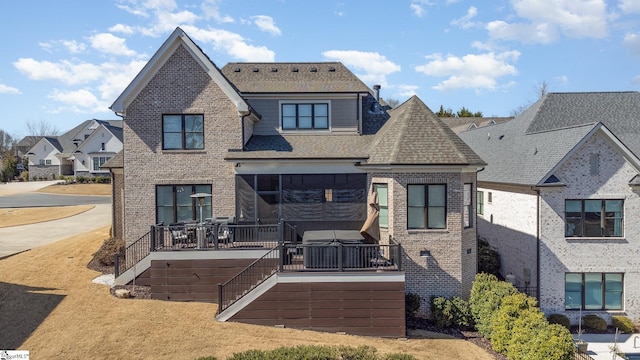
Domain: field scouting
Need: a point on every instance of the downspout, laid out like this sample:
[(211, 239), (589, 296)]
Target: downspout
[(537, 190)]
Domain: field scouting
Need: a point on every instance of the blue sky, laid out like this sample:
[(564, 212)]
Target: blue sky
[(63, 62)]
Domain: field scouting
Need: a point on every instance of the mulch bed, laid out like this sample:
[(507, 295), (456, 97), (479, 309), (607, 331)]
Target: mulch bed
[(137, 291), (472, 336)]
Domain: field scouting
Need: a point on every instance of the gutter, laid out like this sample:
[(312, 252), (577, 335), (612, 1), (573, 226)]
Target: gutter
[(537, 190)]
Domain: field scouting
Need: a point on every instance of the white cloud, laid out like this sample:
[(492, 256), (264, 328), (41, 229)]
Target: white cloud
[(632, 42), (211, 11), (123, 29), (417, 10), (629, 6), (72, 46), (65, 71), (636, 80), (110, 44), (375, 67), (6, 89), (265, 23), (405, 90), (471, 71), (78, 101), (231, 43), (465, 21), (544, 20)]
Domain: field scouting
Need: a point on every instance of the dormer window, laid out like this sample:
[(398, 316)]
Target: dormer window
[(305, 116)]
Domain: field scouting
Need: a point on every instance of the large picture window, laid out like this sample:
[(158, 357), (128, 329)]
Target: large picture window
[(594, 218), (174, 203), (305, 116), (182, 132), (383, 202), (427, 206), (593, 291)]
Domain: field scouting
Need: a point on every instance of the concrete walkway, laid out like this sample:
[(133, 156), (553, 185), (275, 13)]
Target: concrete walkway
[(16, 239)]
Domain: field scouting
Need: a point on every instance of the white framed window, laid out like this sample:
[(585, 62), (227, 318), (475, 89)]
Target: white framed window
[(304, 116), (99, 161), (467, 211), (480, 202)]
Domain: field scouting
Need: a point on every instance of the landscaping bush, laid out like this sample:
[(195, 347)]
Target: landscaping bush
[(316, 352), (102, 179), (594, 322), (503, 322), (560, 319), (486, 296), (111, 246), (488, 258), (536, 339), (623, 324), (24, 176), (453, 312), (81, 179), (412, 304)]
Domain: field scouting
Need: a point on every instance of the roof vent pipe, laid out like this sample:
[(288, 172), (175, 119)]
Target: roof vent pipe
[(376, 92)]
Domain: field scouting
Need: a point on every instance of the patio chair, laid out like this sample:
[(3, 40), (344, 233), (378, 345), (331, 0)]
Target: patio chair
[(179, 235)]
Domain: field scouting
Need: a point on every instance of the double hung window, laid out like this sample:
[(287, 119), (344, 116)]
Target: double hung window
[(183, 132), (312, 116), (593, 291), (427, 206), (594, 218), (467, 213), (99, 161)]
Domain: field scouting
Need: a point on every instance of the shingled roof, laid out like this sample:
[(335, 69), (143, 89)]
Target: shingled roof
[(320, 77), (414, 135), (525, 150)]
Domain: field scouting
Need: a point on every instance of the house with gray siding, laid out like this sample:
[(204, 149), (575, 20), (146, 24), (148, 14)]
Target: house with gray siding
[(559, 199), (302, 146)]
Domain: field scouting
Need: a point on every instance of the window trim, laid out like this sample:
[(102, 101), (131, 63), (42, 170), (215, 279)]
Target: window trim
[(603, 219), (194, 204), (297, 116), (383, 208), (480, 202), (426, 207), (467, 207), (99, 163), (603, 290), (183, 133)]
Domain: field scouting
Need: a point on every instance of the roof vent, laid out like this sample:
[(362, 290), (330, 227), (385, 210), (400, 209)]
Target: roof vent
[(236, 69), (295, 69), (274, 69), (332, 69), (256, 69), (314, 69)]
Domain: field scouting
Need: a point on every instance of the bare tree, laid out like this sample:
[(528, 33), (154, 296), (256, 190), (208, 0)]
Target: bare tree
[(41, 128), (6, 142), (393, 103), (540, 91)]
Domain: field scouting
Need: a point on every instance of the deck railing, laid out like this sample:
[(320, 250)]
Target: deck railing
[(248, 279), (134, 253), (336, 256)]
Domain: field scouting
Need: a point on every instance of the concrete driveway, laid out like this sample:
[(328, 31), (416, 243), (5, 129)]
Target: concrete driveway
[(16, 239)]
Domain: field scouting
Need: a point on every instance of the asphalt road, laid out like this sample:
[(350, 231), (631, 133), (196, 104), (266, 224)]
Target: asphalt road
[(32, 199), (17, 239)]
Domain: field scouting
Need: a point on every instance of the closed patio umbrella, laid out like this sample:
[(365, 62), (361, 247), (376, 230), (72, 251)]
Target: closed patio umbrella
[(371, 228)]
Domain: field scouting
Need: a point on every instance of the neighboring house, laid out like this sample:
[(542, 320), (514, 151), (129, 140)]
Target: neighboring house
[(78, 152), (301, 143), (22, 148), (460, 124), (560, 200)]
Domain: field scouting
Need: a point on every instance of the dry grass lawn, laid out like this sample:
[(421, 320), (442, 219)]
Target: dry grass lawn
[(78, 189), (49, 306), (24, 216)]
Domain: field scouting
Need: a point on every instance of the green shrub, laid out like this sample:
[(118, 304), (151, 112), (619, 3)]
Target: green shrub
[(486, 296), (453, 312), (560, 319), (623, 323), (503, 322), (111, 246), (102, 179), (24, 176), (81, 179), (594, 322), (412, 304), (536, 339), (488, 258)]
